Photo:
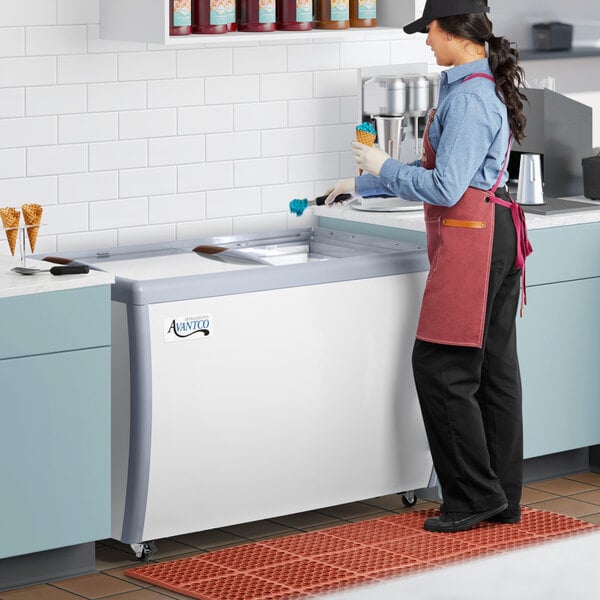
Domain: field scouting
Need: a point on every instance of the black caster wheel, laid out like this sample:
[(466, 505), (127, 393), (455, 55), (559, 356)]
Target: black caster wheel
[(409, 499), (144, 550)]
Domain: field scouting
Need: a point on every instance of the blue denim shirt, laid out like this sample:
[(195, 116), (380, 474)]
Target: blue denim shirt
[(470, 134)]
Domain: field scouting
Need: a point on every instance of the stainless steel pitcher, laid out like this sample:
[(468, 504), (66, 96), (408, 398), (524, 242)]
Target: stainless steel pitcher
[(391, 132), (530, 189)]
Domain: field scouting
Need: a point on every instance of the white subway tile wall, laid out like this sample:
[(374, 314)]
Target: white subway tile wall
[(127, 142)]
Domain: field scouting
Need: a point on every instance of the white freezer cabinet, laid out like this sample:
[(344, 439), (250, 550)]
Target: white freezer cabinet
[(246, 390)]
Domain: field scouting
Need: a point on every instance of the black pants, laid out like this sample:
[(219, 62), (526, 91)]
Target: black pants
[(471, 397)]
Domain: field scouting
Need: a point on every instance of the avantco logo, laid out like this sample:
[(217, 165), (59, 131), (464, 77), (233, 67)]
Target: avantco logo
[(184, 328)]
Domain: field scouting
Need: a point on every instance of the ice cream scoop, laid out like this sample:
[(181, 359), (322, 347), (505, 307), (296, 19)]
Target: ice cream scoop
[(298, 206), (58, 270)]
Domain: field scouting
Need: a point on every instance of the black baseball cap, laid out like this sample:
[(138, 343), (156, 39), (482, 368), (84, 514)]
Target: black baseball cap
[(434, 9)]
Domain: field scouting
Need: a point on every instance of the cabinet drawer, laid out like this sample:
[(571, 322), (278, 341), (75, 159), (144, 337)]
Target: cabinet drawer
[(55, 321)]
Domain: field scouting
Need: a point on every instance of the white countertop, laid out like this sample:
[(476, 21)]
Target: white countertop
[(13, 284), (413, 220)]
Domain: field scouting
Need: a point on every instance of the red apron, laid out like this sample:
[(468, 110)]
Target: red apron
[(459, 246)]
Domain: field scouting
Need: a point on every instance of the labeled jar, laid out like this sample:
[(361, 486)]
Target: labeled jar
[(230, 15), (255, 15), (332, 14), (294, 15), (180, 17), (208, 16), (363, 13)]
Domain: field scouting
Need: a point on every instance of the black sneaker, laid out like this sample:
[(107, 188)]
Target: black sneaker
[(449, 522), (510, 515)]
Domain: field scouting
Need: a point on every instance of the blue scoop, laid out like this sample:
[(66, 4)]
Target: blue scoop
[(297, 206)]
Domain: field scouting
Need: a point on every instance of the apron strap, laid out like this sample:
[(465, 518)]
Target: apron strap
[(524, 248), (510, 141)]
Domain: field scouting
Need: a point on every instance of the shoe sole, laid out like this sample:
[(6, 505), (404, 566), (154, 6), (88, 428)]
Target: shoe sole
[(467, 523), (504, 521)]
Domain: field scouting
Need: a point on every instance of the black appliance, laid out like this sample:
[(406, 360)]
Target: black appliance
[(560, 130), (591, 177), (552, 36)]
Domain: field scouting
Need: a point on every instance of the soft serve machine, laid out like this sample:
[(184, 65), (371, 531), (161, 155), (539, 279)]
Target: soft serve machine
[(397, 101)]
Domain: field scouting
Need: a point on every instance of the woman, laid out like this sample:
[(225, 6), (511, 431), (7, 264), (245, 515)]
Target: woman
[(464, 359)]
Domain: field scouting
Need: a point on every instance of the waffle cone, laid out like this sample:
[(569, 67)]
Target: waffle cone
[(32, 214), (364, 137), (10, 222)]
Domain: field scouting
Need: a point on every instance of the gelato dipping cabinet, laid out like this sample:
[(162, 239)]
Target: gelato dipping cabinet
[(271, 378)]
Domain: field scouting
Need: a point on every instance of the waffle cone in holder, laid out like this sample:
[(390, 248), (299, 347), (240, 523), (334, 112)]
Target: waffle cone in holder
[(32, 214), (10, 221)]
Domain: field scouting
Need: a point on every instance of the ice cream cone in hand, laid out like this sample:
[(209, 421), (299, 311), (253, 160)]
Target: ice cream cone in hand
[(365, 134), (10, 222), (32, 214)]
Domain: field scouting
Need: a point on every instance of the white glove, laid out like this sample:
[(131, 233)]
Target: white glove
[(369, 158), (343, 186)]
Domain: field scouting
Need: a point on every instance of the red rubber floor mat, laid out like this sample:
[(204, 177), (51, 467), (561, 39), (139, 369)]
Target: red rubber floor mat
[(306, 565)]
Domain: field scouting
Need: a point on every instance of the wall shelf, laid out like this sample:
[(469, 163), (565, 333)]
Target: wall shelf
[(577, 52), (148, 21)]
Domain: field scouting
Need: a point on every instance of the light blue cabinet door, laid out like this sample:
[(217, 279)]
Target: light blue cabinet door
[(54, 450), (559, 352)]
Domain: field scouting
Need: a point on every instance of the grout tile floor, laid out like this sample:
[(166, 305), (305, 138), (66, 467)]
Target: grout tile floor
[(576, 495)]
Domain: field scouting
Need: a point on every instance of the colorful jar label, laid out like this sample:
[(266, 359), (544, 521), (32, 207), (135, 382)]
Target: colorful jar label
[(266, 11), (230, 8), (182, 13), (304, 11), (218, 12), (367, 9), (340, 10)]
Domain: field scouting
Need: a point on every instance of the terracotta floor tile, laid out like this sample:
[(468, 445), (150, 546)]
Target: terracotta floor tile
[(562, 486), (420, 505), (305, 520), (94, 586), (593, 497), (147, 594), (119, 572), (209, 540), (258, 530), (595, 518), (586, 477), (360, 518), (170, 548), (108, 557), (391, 502), (567, 506), (167, 593), (532, 495), (39, 592), (351, 511)]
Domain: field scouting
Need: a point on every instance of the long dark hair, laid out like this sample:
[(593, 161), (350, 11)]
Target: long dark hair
[(503, 59)]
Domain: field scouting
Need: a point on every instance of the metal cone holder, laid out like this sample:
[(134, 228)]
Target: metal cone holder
[(22, 238)]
